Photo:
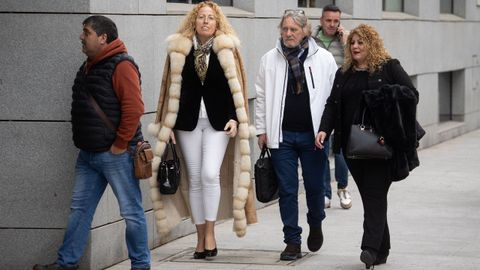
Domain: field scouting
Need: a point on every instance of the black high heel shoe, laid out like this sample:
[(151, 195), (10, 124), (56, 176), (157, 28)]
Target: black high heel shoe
[(368, 257), (197, 255), (211, 252)]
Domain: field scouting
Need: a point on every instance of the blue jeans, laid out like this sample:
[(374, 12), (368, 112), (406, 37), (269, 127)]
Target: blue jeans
[(341, 171), (93, 171), (301, 145)]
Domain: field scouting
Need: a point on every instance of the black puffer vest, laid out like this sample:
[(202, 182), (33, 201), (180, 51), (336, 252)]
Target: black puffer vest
[(90, 133)]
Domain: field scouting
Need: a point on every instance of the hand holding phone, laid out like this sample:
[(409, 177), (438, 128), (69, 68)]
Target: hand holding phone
[(340, 30), (342, 34)]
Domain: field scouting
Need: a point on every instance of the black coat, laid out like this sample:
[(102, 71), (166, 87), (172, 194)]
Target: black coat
[(391, 73), (393, 109), (215, 92)]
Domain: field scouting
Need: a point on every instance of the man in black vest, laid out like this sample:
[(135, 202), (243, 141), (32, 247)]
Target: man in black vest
[(105, 136)]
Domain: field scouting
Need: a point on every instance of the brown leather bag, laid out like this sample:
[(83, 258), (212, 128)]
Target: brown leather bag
[(142, 160)]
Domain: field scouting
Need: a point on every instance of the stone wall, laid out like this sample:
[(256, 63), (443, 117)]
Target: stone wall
[(40, 52)]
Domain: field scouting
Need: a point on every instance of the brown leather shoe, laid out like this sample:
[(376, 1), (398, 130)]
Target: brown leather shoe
[(315, 239), (53, 266), (291, 253)]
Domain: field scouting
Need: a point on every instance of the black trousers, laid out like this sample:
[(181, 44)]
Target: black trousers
[(373, 181)]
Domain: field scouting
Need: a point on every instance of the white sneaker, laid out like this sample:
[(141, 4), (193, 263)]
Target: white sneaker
[(327, 202), (345, 198)]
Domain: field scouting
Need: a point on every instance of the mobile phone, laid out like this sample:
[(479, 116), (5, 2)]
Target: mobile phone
[(338, 33)]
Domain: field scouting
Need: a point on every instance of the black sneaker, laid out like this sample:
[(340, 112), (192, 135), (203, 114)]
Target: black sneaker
[(53, 266), (315, 239), (291, 253)]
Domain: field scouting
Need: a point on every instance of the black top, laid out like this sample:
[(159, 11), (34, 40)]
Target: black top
[(350, 99), (215, 92), (297, 116)]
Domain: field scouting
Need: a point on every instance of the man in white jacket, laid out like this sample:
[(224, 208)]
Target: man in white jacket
[(294, 80)]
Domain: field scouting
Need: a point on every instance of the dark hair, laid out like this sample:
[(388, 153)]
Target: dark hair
[(102, 25), (331, 7)]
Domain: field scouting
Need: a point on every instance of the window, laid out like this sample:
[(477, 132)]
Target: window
[(393, 5), (315, 3), (445, 96), (446, 6), (451, 96), (219, 2)]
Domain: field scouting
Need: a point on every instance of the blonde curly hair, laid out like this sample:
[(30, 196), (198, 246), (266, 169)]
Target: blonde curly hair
[(187, 28), (377, 55)]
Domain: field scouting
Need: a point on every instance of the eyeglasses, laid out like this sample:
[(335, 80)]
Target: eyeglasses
[(294, 11)]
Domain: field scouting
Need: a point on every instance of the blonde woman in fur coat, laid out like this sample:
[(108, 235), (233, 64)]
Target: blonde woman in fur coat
[(203, 106)]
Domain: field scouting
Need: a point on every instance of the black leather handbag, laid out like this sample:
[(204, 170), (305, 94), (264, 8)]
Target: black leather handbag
[(168, 177), (364, 143), (266, 183)]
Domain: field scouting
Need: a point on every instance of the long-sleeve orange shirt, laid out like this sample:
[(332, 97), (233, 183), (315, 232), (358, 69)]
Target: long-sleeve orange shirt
[(126, 84)]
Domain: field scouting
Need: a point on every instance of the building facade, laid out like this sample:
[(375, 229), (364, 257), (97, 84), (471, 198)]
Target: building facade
[(436, 41)]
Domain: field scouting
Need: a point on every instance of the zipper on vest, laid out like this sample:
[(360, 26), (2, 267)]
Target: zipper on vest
[(311, 76)]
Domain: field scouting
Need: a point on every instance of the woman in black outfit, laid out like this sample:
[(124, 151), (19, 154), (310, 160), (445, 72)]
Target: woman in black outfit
[(367, 66)]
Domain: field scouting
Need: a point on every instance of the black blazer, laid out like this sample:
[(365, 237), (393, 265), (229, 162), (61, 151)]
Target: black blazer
[(215, 92), (390, 73)]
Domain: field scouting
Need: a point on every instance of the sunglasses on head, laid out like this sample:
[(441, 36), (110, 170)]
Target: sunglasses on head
[(294, 11)]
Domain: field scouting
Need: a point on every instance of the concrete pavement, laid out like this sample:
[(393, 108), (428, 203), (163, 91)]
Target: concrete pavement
[(434, 221)]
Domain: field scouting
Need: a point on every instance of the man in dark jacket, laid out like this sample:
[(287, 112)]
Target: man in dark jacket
[(106, 109)]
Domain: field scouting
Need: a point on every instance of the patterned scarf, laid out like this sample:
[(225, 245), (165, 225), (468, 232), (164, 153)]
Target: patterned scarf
[(293, 58), (200, 54)]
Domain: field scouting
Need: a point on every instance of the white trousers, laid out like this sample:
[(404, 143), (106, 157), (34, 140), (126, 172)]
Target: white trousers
[(203, 150)]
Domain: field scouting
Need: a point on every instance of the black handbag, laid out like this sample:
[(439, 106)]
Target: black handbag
[(168, 177), (364, 143), (266, 183)]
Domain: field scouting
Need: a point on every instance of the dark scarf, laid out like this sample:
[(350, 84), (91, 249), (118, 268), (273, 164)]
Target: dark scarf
[(200, 54), (293, 58)]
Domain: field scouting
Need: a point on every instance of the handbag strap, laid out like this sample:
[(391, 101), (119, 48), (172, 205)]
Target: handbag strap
[(103, 116), (100, 113), (171, 146), (363, 116), (265, 150), (165, 153), (174, 151)]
